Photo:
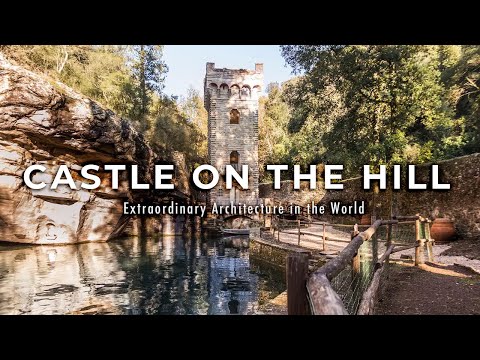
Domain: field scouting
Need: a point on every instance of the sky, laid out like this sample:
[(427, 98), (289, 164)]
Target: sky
[(186, 64)]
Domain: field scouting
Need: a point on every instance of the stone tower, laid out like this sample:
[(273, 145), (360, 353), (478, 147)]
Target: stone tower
[(231, 99)]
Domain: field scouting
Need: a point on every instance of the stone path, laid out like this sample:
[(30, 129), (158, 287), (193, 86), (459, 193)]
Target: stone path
[(473, 264)]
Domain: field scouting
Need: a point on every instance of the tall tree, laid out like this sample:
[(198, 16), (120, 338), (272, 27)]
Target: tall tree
[(273, 139), (194, 109), (172, 130), (148, 71), (462, 76), (386, 100), (195, 113)]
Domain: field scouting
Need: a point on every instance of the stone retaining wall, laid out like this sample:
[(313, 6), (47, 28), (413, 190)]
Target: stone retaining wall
[(461, 203), (273, 253)]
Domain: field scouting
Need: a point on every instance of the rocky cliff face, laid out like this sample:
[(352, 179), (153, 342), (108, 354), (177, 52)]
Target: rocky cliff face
[(44, 122)]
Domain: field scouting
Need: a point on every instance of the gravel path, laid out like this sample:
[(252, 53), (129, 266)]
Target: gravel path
[(449, 286), (430, 289), (438, 251)]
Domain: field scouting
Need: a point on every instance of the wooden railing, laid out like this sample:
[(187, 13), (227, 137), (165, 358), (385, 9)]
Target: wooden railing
[(323, 299), (283, 226), (314, 293)]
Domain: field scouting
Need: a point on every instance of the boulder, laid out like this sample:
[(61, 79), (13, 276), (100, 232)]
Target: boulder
[(45, 122)]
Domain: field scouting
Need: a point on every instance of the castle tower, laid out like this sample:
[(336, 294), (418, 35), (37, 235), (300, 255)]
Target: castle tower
[(231, 99)]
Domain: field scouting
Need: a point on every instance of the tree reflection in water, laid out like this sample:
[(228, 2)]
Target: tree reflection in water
[(170, 275)]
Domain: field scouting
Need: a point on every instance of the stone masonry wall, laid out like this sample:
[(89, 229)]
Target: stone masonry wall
[(226, 90), (461, 203)]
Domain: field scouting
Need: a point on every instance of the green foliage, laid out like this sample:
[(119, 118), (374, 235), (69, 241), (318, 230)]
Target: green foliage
[(463, 80), (173, 131), (99, 72), (127, 79), (351, 105), (195, 114), (148, 68), (147, 76), (374, 104), (274, 141)]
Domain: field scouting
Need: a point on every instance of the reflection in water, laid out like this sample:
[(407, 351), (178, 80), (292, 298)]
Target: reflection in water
[(170, 275)]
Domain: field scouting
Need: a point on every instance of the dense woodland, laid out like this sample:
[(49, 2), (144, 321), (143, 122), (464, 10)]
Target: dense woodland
[(351, 105), (356, 105)]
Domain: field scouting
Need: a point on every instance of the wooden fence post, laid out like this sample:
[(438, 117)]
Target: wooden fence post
[(299, 233), (374, 241), (324, 244), (419, 251), (429, 241), (356, 258), (389, 241), (389, 236), (297, 273), (274, 227)]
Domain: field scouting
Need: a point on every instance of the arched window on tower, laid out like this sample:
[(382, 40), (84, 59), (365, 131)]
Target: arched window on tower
[(234, 159), (234, 116), (213, 89), (235, 92), (256, 92), (224, 91), (245, 92)]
